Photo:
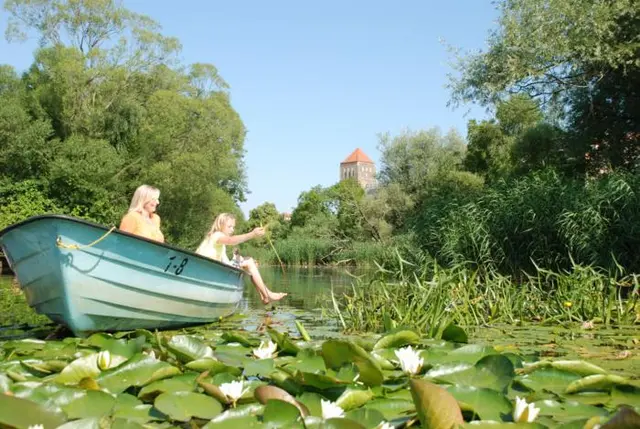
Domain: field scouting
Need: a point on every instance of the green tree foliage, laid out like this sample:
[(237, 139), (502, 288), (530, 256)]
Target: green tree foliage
[(105, 107), (581, 55)]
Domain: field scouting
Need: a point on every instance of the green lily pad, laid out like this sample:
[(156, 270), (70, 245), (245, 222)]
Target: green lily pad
[(436, 407), (138, 371), (313, 403), (5, 383), (334, 423), (285, 345), (260, 367), (569, 410), (397, 339), (179, 383), (265, 393), (118, 347), (278, 413), (491, 424), (392, 408), (486, 403), (232, 355), (454, 333), (88, 423), (244, 416), (188, 348), (368, 418), (492, 372), (596, 382), (307, 361), (182, 406), (213, 366), (549, 379), (22, 413), (319, 381), (353, 398), (91, 404), (237, 337), (337, 353), (576, 366), (625, 395)]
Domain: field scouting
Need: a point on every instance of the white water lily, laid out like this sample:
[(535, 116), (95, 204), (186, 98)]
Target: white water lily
[(330, 409), (410, 360), (524, 412), (36, 427), (233, 390), (265, 351), (150, 353), (385, 425)]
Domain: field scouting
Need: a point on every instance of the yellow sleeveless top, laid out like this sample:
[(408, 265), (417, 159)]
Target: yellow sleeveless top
[(148, 228), (212, 249)]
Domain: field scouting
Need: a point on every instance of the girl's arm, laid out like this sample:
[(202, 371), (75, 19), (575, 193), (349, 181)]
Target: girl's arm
[(237, 239)]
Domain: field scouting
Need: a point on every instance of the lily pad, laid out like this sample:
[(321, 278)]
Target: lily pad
[(397, 339), (179, 383), (492, 372), (182, 406), (391, 408), (22, 413), (236, 337), (596, 382), (337, 353), (188, 348), (91, 404), (436, 407), (285, 345), (235, 418), (213, 366), (354, 398), (567, 411), (550, 379), (486, 403), (138, 371), (455, 334), (260, 367), (278, 413), (265, 393), (84, 367)]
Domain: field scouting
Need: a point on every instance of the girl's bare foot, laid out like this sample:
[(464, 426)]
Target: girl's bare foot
[(276, 296)]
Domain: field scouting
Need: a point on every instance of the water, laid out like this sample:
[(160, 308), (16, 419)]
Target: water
[(616, 349)]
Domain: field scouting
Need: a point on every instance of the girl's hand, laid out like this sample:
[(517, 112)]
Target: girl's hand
[(258, 232)]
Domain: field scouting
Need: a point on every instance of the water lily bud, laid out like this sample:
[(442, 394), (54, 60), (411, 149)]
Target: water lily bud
[(104, 360)]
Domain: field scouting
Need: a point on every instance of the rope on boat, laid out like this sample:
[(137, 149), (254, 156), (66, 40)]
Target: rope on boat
[(79, 246)]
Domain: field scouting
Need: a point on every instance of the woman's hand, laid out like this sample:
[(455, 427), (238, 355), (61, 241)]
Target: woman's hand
[(258, 232)]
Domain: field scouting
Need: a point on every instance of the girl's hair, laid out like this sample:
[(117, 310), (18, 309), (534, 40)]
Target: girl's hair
[(142, 196), (220, 222)]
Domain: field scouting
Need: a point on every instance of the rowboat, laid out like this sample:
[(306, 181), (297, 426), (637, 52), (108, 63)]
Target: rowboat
[(92, 278)]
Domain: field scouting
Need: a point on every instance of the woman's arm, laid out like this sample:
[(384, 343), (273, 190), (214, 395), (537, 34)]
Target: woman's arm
[(237, 239)]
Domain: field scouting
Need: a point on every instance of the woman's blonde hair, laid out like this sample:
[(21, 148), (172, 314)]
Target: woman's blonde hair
[(220, 222), (142, 196)]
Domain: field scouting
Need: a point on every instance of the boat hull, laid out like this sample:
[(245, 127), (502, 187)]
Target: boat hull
[(121, 282)]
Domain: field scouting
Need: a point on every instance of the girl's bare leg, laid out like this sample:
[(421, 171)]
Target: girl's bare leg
[(265, 294)]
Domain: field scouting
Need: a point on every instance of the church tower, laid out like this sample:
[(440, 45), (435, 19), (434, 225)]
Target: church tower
[(360, 167)]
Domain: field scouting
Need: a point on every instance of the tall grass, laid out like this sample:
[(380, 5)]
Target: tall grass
[(430, 297), (542, 219)]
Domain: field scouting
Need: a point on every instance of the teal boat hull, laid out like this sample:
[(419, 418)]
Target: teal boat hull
[(120, 282)]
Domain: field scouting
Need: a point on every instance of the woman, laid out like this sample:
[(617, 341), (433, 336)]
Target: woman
[(214, 246), (141, 219)]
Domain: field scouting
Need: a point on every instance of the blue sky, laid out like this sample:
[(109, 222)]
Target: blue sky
[(314, 80)]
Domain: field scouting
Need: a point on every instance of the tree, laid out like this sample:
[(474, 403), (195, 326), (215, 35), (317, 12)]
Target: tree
[(310, 204)]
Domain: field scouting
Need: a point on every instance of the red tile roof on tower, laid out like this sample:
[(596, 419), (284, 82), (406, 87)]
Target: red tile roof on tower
[(357, 156)]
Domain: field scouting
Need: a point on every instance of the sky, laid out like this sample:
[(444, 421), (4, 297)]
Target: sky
[(313, 81)]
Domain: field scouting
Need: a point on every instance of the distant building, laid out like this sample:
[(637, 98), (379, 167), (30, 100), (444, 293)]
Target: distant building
[(286, 216), (360, 167)]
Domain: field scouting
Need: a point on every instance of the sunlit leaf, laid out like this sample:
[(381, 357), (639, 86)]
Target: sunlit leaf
[(183, 406), (436, 407)]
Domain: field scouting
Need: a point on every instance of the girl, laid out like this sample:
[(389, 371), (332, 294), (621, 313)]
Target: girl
[(214, 246)]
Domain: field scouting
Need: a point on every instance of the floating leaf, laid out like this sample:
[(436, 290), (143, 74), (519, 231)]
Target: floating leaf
[(236, 337), (576, 366), (236, 418), (280, 413), (319, 381), (368, 418), (596, 382), (22, 413), (183, 406), (486, 403), (392, 408), (353, 398), (260, 367), (569, 410), (213, 366), (397, 339), (265, 393), (625, 395), (454, 333), (285, 345), (626, 417), (180, 383), (493, 372), (337, 353), (549, 379), (436, 407), (91, 404), (138, 371), (188, 348)]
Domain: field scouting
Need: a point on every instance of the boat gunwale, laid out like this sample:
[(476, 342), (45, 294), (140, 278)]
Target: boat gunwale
[(116, 231)]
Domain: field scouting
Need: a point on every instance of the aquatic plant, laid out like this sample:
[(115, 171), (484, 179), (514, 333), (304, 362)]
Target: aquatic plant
[(205, 378)]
